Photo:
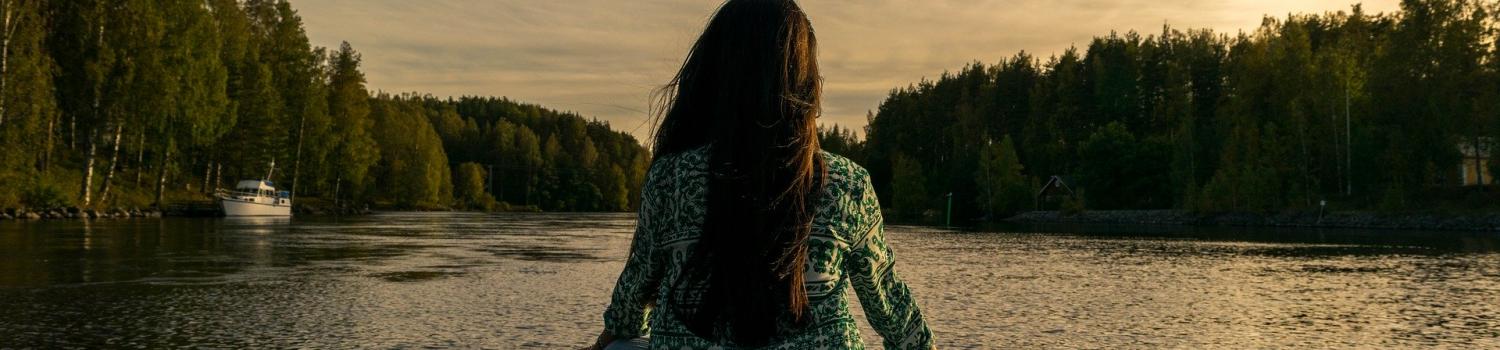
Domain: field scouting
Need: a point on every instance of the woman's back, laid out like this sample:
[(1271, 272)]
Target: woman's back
[(846, 247)]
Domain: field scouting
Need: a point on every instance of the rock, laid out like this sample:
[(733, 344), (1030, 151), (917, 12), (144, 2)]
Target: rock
[(33, 216), (92, 214), (4, 216)]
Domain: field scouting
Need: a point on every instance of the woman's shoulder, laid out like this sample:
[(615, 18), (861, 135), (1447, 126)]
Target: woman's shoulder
[(844, 174), (849, 204), (676, 163)]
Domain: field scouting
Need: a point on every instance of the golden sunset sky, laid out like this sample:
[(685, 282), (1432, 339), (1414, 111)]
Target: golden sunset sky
[(602, 58)]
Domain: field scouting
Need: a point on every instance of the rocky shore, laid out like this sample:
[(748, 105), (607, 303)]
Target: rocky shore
[(1360, 220), (77, 213), (176, 210)]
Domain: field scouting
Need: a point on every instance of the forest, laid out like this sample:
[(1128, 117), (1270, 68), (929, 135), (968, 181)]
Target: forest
[(1364, 111), (133, 103)]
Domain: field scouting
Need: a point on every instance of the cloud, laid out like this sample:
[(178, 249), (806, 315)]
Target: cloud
[(602, 58)]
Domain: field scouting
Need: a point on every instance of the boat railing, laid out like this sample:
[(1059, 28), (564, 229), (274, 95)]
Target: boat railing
[(226, 193)]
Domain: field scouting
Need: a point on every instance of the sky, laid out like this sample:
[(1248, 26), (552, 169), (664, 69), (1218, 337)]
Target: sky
[(603, 58)]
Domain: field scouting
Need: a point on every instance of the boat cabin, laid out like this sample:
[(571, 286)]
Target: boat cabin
[(260, 188)]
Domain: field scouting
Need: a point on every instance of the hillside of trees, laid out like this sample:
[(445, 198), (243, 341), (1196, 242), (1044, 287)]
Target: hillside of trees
[(1364, 110), (119, 103)]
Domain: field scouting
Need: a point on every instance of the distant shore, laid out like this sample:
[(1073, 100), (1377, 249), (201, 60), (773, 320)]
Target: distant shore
[(1356, 220), (206, 209), (77, 213), (195, 209)]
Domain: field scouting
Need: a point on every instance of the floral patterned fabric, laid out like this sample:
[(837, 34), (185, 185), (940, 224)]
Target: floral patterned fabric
[(847, 248)]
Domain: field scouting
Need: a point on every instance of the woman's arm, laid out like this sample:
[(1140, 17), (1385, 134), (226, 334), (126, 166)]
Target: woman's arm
[(888, 303), (635, 290), (630, 306)]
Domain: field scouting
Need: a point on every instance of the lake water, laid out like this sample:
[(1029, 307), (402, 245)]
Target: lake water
[(512, 281)]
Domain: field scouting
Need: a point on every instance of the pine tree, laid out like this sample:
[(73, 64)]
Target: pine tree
[(910, 186), (348, 106), (1004, 188)]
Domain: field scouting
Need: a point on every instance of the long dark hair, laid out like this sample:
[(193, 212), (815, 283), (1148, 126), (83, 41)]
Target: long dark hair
[(750, 91)]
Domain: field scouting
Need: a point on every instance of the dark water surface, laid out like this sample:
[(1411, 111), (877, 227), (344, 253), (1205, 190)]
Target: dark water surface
[(541, 280)]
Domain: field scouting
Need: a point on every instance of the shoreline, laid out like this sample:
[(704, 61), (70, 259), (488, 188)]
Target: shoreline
[(181, 210), (75, 213), (1489, 222), (203, 210)]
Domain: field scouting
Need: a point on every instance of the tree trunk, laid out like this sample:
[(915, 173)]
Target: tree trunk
[(297, 160), (114, 162), (336, 185), (47, 150), (208, 175), (88, 175), (161, 178), (5, 53), (93, 141), (140, 156)]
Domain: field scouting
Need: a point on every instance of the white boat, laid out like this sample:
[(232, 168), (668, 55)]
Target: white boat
[(255, 198)]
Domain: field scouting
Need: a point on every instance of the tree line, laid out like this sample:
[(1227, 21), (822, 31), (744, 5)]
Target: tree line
[(1368, 111), (142, 102)]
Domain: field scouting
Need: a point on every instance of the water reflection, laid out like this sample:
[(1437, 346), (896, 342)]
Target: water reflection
[(540, 281)]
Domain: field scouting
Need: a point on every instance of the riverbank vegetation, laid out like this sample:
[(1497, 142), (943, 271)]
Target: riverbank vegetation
[(1367, 111), (132, 103)]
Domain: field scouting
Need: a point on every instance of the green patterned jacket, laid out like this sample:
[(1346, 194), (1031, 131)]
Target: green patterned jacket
[(847, 248)]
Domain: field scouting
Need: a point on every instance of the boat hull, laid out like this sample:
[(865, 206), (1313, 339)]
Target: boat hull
[(241, 208)]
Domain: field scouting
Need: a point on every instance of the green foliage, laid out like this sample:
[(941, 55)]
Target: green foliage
[(1004, 189), (1494, 169), (26, 106), (543, 158), (910, 186), (413, 170), (1350, 106), (1394, 198), (1074, 204), (354, 150), (175, 98), (841, 141), (1123, 172), (45, 195), (469, 188), (1345, 105)]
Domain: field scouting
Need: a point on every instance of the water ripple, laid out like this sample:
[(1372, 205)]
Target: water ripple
[(540, 281)]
